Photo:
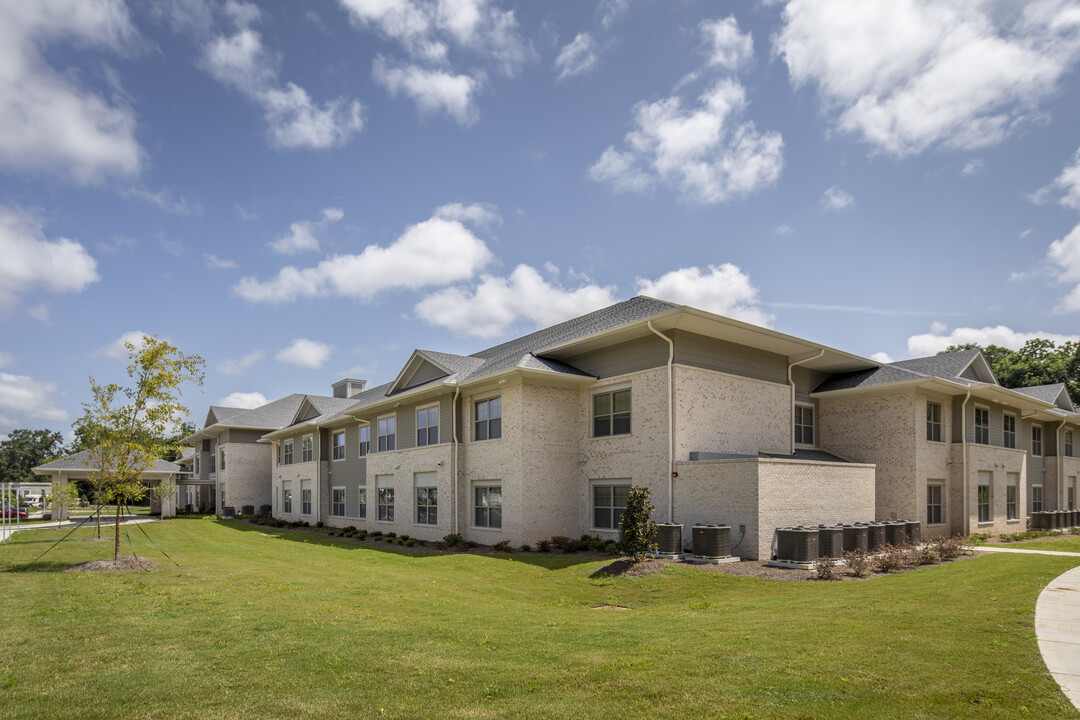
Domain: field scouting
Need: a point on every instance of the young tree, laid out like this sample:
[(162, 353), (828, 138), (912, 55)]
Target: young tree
[(129, 424), (61, 496), (637, 530)]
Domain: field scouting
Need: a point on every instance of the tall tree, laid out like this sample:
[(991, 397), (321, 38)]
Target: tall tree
[(1038, 362), (130, 425), (26, 449)]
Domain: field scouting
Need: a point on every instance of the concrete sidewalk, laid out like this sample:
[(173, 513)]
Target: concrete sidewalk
[(6, 533), (994, 548), (1057, 627)]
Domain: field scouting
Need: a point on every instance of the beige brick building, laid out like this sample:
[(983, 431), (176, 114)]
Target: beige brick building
[(723, 421)]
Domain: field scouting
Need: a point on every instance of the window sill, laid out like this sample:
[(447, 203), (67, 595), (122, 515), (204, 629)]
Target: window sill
[(610, 437), (486, 440), (985, 524), (933, 525), (486, 529), (1014, 521), (604, 530), (385, 522)]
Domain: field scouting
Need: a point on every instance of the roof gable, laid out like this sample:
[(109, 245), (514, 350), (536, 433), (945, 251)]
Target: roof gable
[(1056, 394), (969, 365), (424, 366), (218, 413)]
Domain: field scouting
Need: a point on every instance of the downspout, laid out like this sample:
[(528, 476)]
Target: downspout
[(964, 463), (670, 424), (454, 414), (1060, 467), (791, 383)]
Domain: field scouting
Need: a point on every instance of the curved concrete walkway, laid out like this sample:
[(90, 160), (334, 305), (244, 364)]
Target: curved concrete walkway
[(1057, 627)]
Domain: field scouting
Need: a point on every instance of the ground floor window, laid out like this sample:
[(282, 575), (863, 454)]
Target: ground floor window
[(337, 502), (934, 503), (1012, 497), (305, 497), (385, 487), (985, 478), (1036, 498), (427, 506), (487, 506), (286, 495), (362, 503), (609, 499), (1071, 498)]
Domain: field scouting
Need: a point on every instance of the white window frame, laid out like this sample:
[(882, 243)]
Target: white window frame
[(488, 419), (934, 426), (1036, 442), (1012, 496), (334, 446), (1034, 502), (307, 454), (1006, 434), (1067, 441), (222, 464), (429, 482), (977, 427), (1070, 493), (795, 424), (363, 446), (286, 498), (361, 503), (391, 444), (383, 483), (427, 429), (611, 391), (989, 504), (486, 485), (938, 485), (305, 498), (287, 452), (334, 503), (612, 483)]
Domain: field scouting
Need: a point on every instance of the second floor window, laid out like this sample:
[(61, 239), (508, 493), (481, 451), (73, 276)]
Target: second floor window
[(338, 452), (611, 413), (1010, 431), (804, 425), (1036, 439), (1068, 443), (306, 453), (982, 426), (222, 459), (387, 433), (427, 426), (287, 452), (933, 421), (212, 468), (488, 424), (364, 433)]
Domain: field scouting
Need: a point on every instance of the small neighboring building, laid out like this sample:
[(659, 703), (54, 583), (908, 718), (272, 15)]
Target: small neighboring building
[(81, 464)]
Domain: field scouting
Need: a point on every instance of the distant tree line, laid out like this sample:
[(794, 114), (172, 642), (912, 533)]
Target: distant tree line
[(1038, 362)]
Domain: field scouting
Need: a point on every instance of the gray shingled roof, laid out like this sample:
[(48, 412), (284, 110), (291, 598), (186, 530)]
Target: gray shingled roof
[(82, 461), (883, 375), (457, 364), (809, 455), (222, 412), (270, 416), (946, 365), (1046, 393)]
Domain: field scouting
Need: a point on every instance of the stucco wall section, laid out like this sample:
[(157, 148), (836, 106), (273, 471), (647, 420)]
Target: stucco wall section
[(717, 412), (1000, 462), (247, 474), (403, 465), (553, 488), (296, 473)]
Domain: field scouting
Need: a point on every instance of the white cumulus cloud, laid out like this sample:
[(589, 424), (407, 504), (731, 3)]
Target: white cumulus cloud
[(497, 303), (246, 400), (293, 119), (721, 289), (117, 349), (433, 90), (31, 261), (706, 153), (881, 357), (26, 401), (940, 338), (577, 56), (304, 353), (240, 365), (910, 74), (438, 251), (303, 234), (1065, 255), (215, 263), (51, 123), (837, 199), (729, 49), (1067, 183)]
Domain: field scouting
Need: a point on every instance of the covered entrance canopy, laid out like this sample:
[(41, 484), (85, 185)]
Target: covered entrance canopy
[(81, 464)]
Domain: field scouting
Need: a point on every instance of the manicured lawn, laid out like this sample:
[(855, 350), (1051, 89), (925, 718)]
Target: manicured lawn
[(1069, 543), (285, 625)]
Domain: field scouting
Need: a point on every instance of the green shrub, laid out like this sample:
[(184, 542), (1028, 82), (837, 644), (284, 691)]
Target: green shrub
[(319, 524), (504, 546), (452, 540), (858, 562), (526, 548), (411, 542), (391, 535), (543, 545), (596, 545), (611, 547), (637, 531), (376, 534), (349, 528), (825, 569), (405, 538), (566, 544)]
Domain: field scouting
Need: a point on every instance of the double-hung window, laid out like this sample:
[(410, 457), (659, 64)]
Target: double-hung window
[(222, 459), (337, 502), (487, 506), (197, 474), (1012, 496), (427, 426), (488, 423), (608, 504), (427, 498), (307, 453), (364, 434), (611, 413), (387, 433), (1036, 439), (1068, 443), (934, 503), (286, 497), (985, 478), (933, 421), (1036, 498), (982, 425), (288, 454), (305, 497), (1010, 431), (338, 443), (361, 503), (804, 425), (384, 485), (213, 457)]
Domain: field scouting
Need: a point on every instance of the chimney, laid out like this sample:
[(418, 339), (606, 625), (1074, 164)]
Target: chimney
[(349, 387)]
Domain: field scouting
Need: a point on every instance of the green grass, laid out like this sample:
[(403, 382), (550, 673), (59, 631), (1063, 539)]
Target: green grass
[(1069, 543), (286, 624)]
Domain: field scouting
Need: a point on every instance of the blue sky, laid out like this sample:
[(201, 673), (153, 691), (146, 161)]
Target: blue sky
[(300, 192)]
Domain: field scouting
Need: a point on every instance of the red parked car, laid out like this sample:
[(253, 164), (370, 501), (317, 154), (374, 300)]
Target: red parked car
[(13, 512)]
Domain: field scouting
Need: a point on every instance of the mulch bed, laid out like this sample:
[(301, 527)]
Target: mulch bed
[(124, 563)]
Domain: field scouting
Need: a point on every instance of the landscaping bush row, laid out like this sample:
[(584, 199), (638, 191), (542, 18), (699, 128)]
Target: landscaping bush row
[(857, 563)]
